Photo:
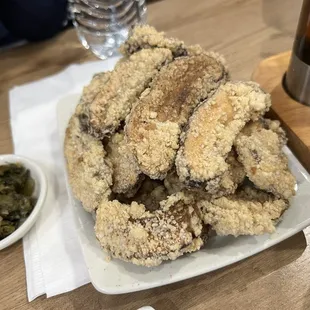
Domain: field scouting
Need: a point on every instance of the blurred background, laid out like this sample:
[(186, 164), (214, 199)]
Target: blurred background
[(31, 20)]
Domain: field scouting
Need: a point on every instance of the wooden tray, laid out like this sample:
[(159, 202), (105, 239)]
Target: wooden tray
[(294, 116)]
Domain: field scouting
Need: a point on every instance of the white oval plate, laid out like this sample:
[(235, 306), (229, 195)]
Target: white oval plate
[(117, 277), (40, 192)]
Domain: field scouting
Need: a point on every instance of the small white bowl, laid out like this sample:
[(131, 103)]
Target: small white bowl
[(39, 192)]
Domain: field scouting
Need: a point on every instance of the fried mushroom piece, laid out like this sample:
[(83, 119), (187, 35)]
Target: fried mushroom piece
[(223, 185), (151, 193), (92, 89), (195, 50), (172, 183), (267, 124), (90, 175), (228, 182), (212, 129), (154, 124), (145, 37), (126, 175), (126, 82), (249, 212), (89, 93), (260, 152), (131, 233)]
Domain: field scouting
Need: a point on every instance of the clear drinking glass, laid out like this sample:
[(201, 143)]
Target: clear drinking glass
[(103, 25)]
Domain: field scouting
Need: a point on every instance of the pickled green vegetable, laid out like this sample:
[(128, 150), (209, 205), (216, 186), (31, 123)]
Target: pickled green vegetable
[(6, 228), (16, 201)]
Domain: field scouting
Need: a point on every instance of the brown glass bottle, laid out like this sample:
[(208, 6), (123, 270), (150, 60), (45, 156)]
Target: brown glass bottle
[(298, 74)]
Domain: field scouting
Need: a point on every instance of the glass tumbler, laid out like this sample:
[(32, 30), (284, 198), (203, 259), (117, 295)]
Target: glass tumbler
[(103, 25), (297, 81)]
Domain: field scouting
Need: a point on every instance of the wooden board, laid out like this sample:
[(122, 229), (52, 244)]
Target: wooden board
[(294, 116)]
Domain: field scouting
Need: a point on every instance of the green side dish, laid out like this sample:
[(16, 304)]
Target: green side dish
[(16, 201)]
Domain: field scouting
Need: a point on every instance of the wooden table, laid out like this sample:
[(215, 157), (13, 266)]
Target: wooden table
[(244, 32)]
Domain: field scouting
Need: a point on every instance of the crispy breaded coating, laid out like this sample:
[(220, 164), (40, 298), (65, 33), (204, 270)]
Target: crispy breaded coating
[(275, 126), (126, 174), (126, 82), (90, 175), (242, 214), (228, 182), (89, 93), (145, 37), (131, 233), (195, 50), (269, 124), (92, 89), (172, 183), (150, 194), (260, 152), (250, 193), (154, 124), (213, 127)]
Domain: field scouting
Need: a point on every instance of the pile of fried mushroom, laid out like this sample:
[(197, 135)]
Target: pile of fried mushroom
[(165, 149)]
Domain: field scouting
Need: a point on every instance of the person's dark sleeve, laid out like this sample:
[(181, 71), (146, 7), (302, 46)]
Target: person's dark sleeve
[(33, 20)]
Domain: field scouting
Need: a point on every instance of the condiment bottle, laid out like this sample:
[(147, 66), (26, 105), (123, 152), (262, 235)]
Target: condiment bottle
[(297, 79)]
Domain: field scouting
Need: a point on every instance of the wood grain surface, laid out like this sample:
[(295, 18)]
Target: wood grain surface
[(245, 32)]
